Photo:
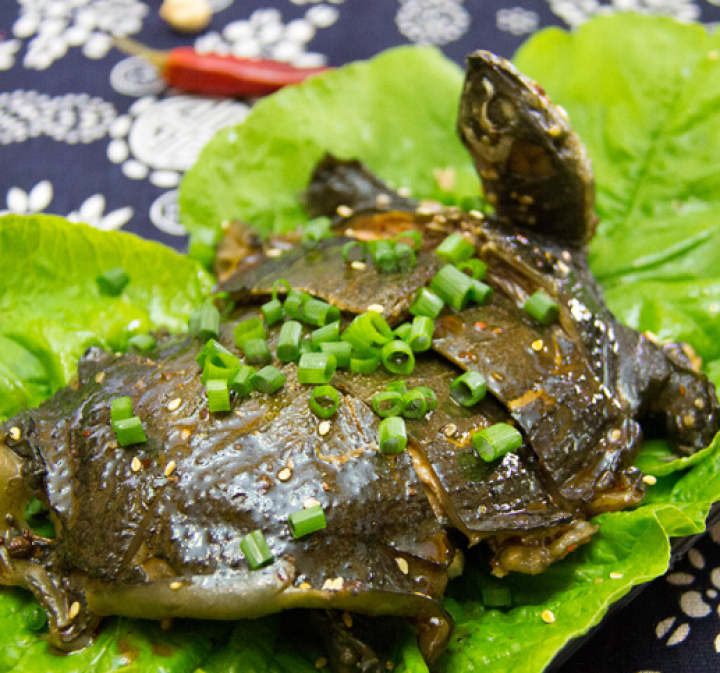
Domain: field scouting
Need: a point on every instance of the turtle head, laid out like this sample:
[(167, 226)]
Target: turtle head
[(533, 167)]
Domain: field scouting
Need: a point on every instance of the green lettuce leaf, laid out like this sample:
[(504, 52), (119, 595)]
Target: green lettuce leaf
[(256, 171), (52, 309)]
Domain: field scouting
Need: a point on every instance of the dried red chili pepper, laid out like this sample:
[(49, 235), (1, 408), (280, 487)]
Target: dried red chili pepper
[(187, 69)]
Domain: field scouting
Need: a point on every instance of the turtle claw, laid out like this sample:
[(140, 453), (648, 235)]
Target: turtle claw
[(534, 169)]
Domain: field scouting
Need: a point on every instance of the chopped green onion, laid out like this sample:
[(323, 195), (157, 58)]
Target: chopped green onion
[(315, 231), (452, 286), (241, 383), (342, 351), (129, 431), (397, 387), (383, 255), (257, 352), (289, 341), (388, 403), (256, 550), (495, 593), (201, 246), (403, 331), (331, 332), (268, 380), (415, 404), (474, 268), (277, 284), (497, 440), (305, 347), (34, 617), (542, 308), (37, 517), (210, 348), (306, 521), (294, 304), (365, 364), (209, 325), (319, 313), (392, 435), (34, 508), (368, 330), (397, 357), (113, 281), (316, 368), (249, 329), (455, 248), (219, 365), (218, 395), (430, 397), (141, 342), (324, 401), (427, 303), (354, 251), (194, 323), (480, 292), (404, 257), (120, 408), (272, 312), (468, 389), (412, 235), (421, 332)]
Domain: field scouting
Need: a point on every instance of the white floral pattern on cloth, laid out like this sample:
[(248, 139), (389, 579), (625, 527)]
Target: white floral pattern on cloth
[(72, 118), (577, 12), (517, 20), (432, 21), (91, 211), (54, 26), (160, 139), (8, 49)]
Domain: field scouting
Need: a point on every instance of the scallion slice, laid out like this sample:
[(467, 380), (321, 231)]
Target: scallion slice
[(209, 322), (415, 404), (331, 332), (288, 349), (427, 303), (403, 331), (354, 251), (218, 395), (430, 397), (272, 312), (468, 389), (219, 365), (278, 283), (411, 237), (497, 440), (319, 313), (294, 302), (211, 347), (306, 521), (342, 351), (256, 550), (268, 380), (404, 257), (257, 351), (480, 292), (315, 231), (120, 408), (368, 330), (397, 357), (392, 435), (455, 248), (452, 286), (129, 431), (315, 368), (364, 364), (113, 281), (421, 332), (397, 387), (324, 401), (474, 268), (252, 328), (542, 308), (305, 347), (141, 342), (388, 403), (383, 254), (241, 382)]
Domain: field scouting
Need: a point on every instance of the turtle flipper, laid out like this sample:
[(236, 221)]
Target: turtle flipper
[(533, 167)]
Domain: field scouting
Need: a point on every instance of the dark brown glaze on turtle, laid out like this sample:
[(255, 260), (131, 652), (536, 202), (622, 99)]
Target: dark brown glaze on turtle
[(153, 530)]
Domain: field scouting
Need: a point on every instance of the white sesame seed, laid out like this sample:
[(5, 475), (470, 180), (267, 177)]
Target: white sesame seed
[(175, 585), (382, 200), (376, 308), (689, 419), (170, 468), (324, 428), (615, 435), (185, 434), (173, 405), (699, 403), (15, 433), (403, 565), (305, 585), (404, 192), (333, 585), (548, 617), (284, 474), (311, 502), (344, 211), (450, 429), (650, 480), (99, 377), (273, 252), (136, 465), (616, 576), (358, 265), (537, 345), (74, 610)]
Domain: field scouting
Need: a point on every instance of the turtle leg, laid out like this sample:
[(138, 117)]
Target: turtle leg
[(533, 167)]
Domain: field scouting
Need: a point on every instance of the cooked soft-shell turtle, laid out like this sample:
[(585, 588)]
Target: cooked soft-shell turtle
[(153, 530)]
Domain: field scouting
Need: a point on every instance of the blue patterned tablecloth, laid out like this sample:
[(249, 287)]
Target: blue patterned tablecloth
[(93, 135)]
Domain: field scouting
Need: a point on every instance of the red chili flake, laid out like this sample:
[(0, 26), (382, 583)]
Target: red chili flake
[(497, 330), (572, 548), (480, 325), (86, 433)]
